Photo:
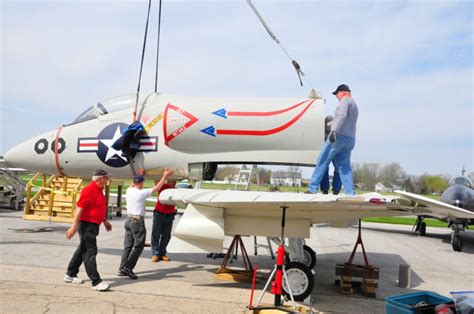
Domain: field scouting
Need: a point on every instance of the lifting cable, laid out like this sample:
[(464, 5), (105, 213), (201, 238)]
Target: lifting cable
[(141, 64), (158, 49), (295, 64)]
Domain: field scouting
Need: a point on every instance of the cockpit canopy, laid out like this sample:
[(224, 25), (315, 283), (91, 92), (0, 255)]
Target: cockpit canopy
[(106, 107), (461, 180)]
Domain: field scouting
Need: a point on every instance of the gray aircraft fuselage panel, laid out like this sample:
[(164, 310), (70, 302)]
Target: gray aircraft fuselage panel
[(180, 131)]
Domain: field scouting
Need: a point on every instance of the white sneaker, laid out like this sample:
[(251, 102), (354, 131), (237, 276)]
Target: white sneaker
[(101, 286), (69, 279)]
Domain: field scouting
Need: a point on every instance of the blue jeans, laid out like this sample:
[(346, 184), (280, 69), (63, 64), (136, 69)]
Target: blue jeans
[(336, 181), (340, 152), (161, 232)]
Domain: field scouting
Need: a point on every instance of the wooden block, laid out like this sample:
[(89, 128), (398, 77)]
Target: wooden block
[(346, 278)]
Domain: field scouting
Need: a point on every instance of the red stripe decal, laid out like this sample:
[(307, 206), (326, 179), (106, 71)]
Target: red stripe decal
[(266, 132)]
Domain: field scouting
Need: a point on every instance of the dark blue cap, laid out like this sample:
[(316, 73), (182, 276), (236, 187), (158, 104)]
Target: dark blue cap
[(341, 88), (100, 173), (138, 179)]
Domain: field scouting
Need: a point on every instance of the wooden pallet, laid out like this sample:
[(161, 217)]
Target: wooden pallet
[(350, 276)]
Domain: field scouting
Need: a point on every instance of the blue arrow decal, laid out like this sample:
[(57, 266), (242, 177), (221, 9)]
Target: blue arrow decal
[(210, 130), (221, 113)]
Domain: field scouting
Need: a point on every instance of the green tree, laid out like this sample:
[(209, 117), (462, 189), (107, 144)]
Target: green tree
[(435, 184), (408, 184), (226, 173), (264, 176), (392, 175), (366, 176)]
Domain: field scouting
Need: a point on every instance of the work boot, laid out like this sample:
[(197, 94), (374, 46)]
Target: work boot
[(155, 259), (121, 273), (130, 273), (165, 258)]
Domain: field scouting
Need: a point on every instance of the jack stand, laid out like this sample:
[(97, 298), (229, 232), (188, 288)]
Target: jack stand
[(359, 241), (350, 274), (224, 273), (278, 271)]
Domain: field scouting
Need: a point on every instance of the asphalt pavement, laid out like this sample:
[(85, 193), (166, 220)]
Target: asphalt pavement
[(34, 256)]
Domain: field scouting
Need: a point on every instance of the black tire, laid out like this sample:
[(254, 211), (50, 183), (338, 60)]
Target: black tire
[(457, 243), (423, 228), (309, 257), (301, 280)]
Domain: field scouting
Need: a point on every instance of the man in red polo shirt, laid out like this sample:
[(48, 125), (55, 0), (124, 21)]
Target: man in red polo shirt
[(91, 211), (163, 218)]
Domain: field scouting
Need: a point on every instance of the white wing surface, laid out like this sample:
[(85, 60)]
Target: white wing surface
[(212, 214), (425, 205)]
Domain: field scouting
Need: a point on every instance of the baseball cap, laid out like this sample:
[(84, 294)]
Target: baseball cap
[(101, 173), (138, 179), (341, 88)]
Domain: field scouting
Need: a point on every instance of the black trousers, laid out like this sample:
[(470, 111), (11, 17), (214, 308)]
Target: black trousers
[(133, 243), (86, 252)]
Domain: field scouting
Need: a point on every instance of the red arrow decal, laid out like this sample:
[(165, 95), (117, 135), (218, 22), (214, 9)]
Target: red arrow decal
[(265, 113), (270, 131), (190, 121)]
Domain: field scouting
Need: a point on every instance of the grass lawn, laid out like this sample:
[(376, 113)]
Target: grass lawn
[(406, 221)]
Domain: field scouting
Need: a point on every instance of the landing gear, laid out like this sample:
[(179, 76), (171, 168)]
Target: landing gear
[(301, 281), (423, 229), (456, 240), (420, 226), (301, 253), (309, 257)]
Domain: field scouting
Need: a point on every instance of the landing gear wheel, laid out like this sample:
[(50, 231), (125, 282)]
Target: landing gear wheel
[(309, 257), (301, 281), (457, 243), (423, 228)]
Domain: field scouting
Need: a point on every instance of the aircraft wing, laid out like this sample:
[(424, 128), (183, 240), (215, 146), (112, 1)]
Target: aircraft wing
[(425, 205), (212, 214)]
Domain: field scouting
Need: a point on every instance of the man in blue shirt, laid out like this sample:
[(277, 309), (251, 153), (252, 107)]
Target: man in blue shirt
[(340, 142)]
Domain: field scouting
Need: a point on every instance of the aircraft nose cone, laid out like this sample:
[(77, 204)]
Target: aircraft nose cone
[(34, 155)]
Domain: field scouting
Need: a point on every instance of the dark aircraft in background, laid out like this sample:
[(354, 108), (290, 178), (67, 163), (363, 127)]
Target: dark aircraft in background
[(460, 193)]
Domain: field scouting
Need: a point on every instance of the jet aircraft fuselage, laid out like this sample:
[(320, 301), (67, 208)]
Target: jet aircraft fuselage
[(189, 134), (460, 194)]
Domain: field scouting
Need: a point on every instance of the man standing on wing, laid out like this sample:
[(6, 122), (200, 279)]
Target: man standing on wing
[(163, 218), (340, 142), (135, 231), (91, 211)]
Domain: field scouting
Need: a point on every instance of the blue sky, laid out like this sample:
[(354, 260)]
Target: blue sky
[(408, 63)]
